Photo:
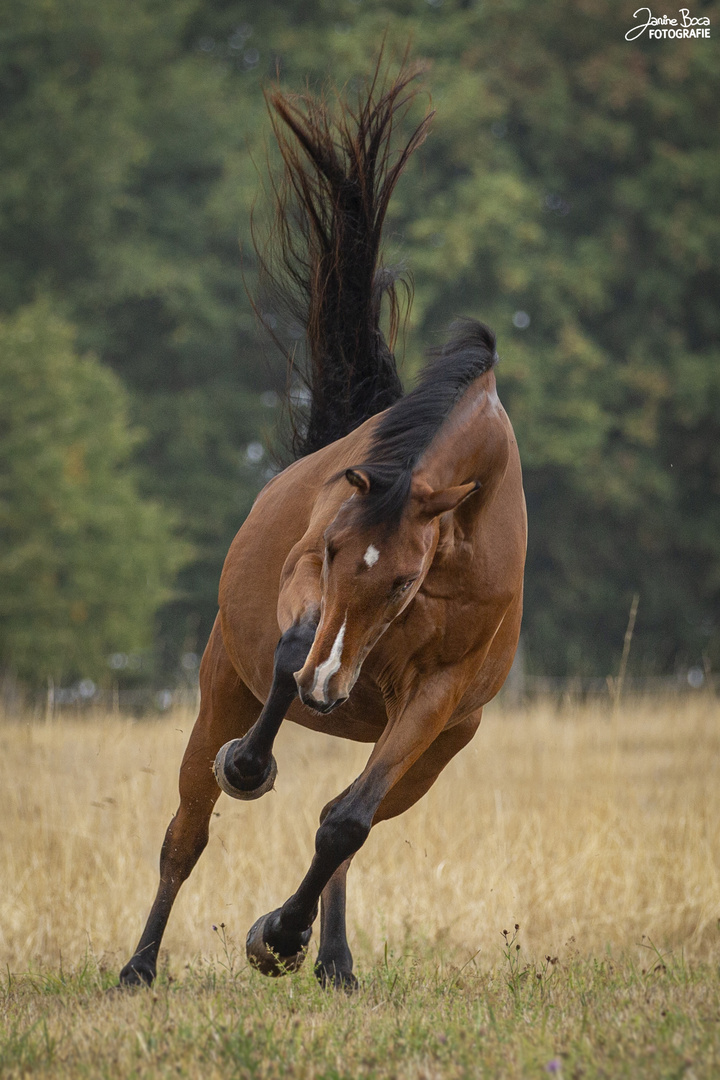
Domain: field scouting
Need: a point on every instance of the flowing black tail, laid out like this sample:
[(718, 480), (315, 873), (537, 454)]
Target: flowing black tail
[(323, 258)]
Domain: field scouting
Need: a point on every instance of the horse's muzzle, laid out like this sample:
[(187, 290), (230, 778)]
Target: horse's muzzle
[(320, 706)]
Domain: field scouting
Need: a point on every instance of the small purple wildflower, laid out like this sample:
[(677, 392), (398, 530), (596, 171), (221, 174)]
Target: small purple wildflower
[(554, 1066)]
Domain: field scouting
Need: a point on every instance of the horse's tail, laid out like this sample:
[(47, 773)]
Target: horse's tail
[(323, 258)]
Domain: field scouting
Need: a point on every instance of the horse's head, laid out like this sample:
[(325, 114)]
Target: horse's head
[(371, 572)]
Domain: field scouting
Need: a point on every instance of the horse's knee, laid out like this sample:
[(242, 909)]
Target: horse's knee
[(343, 831), (293, 647)]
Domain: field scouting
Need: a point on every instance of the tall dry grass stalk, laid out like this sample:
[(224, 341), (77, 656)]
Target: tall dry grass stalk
[(527, 825)]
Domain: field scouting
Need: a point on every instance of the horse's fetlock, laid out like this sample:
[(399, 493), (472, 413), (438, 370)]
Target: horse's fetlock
[(274, 951), (138, 972), (247, 763), (290, 921)]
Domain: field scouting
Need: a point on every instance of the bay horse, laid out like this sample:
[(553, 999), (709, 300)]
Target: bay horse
[(374, 592)]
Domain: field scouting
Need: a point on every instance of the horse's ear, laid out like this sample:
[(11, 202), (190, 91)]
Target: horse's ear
[(433, 503), (359, 479)]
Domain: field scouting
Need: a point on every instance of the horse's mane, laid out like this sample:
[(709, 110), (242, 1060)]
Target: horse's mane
[(406, 430), (322, 262)]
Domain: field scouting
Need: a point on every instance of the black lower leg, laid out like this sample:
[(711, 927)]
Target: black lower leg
[(335, 963), (141, 969), (250, 761), (340, 835)]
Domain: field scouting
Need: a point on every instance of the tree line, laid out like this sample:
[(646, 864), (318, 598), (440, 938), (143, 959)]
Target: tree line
[(566, 196)]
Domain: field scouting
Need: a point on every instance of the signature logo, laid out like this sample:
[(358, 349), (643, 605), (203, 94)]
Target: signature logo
[(662, 26)]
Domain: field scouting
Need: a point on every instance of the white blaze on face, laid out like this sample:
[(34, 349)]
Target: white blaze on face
[(325, 671), (371, 556)]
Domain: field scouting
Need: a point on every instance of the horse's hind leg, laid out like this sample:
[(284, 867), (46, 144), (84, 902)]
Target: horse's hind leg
[(245, 768), (334, 964), (227, 707)]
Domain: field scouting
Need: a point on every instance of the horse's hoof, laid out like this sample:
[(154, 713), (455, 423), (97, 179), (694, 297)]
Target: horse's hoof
[(269, 961), (332, 978), (136, 973), (220, 769)]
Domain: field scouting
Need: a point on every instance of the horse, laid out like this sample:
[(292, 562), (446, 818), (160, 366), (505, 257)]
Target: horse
[(374, 591)]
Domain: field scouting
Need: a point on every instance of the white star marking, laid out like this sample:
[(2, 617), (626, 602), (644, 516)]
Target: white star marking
[(371, 556)]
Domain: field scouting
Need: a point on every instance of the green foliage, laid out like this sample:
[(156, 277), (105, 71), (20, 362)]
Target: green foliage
[(84, 561), (570, 178), (125, 181), (571, 175)]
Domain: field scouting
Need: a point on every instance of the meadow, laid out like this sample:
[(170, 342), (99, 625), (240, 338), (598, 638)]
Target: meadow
[(592, 841)]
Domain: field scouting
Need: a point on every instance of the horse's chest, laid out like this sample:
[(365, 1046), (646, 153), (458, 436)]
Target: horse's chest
[(448, 624)]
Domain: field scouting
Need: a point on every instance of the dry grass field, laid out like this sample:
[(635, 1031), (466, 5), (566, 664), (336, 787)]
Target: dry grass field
[(601, 840)]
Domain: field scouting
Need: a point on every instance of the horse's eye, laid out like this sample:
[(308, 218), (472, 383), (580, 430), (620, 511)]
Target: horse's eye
[(403, 584)]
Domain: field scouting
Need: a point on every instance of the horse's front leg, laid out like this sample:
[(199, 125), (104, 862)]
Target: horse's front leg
[(245, 768), (277, 942), (334, 964)]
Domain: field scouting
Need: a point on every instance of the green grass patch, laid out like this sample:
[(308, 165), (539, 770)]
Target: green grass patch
[(412, 1017)]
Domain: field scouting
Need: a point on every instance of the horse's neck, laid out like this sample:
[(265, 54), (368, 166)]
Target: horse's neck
[(473, 443)]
